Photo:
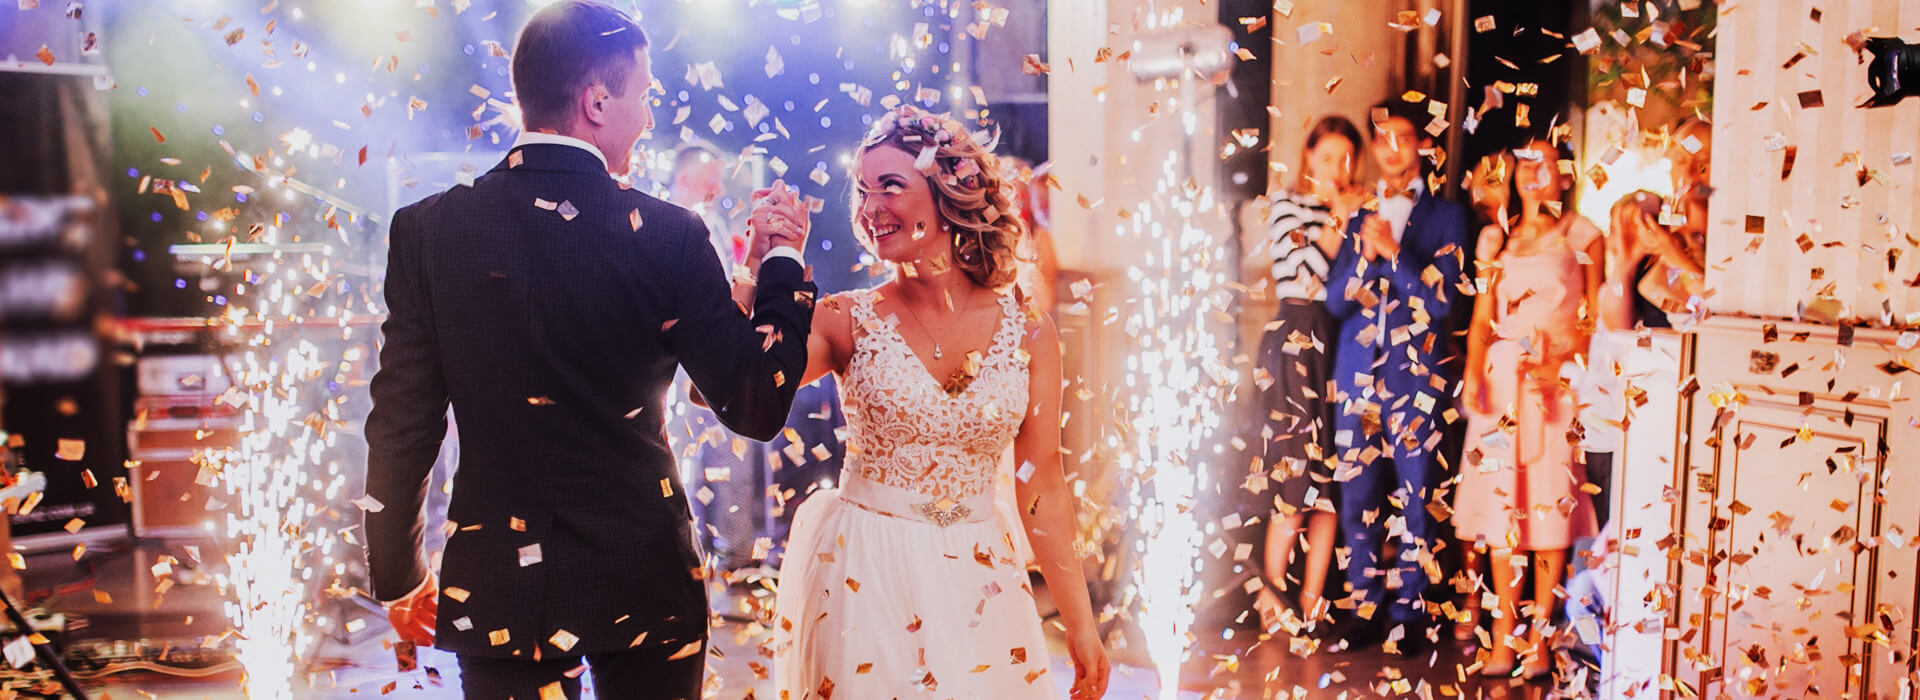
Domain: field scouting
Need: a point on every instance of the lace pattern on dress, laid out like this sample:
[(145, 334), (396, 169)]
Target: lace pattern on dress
[(906, 432)]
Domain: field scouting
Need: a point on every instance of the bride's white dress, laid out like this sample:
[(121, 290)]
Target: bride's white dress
[(902, 583)]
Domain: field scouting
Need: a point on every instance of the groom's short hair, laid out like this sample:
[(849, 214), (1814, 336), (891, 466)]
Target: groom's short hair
[(566, 46)]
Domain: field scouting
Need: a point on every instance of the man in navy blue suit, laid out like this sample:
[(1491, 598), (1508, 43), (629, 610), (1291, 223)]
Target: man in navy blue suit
[(549, 305), (1390, 289)]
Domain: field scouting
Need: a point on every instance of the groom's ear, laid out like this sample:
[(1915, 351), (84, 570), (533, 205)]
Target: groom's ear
[(593, 101)]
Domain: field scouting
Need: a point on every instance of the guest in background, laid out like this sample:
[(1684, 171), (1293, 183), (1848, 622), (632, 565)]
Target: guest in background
[(726, 472), (1392, 283), (698, 182), (1518, 495), (1304, 231), (1039, 263), (1653, 272), (1488, 186), (1656, 269)]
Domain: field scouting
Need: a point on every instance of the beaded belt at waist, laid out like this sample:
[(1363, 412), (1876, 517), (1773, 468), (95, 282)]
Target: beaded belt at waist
[(894, 502)]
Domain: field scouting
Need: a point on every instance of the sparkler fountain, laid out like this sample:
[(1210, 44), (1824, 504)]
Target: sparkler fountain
[(1176, 372), (282, 481)]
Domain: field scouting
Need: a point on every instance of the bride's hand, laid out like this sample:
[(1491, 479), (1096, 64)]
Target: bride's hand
[(1090, 667), (779, 218)]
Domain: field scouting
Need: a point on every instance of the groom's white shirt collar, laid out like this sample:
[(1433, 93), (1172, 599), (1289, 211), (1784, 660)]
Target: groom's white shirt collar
[(533, 137)]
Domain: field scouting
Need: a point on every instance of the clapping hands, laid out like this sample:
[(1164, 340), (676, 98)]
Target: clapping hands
[(1376, 239)]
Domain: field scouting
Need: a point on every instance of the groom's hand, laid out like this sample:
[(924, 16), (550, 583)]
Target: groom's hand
[(779, 219), (413, 616)]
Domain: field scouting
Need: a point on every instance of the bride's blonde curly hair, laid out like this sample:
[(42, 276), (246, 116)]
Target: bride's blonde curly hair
[(970, 191)]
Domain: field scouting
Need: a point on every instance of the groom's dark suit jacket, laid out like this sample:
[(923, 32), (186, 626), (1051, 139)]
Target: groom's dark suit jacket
[(555, 340)]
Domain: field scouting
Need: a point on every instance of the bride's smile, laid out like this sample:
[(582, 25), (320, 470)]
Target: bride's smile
[(892, 198)]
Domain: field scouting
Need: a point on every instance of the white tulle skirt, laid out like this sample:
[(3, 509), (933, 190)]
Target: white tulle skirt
[(878, 601)]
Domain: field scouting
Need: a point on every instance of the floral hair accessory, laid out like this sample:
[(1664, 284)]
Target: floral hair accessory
[(929, 133)]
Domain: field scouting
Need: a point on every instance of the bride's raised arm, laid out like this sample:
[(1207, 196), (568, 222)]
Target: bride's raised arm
[(1046, 506)]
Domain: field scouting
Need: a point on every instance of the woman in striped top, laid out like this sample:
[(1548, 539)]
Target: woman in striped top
[(1304, 231)]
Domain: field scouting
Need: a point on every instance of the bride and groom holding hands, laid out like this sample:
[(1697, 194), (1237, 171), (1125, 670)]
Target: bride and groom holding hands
[(549, 306)]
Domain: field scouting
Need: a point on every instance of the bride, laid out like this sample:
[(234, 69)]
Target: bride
[(903, 582)]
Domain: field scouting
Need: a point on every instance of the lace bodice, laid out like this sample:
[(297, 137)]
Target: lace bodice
[(905, 431)]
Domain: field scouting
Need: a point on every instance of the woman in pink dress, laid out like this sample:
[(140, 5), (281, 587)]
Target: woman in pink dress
[(1518, 499)]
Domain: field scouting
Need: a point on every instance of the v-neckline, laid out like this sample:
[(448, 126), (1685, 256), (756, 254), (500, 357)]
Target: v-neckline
[(993, 343)]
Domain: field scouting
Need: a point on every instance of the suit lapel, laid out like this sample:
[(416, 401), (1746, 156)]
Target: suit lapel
[(1421, 207)]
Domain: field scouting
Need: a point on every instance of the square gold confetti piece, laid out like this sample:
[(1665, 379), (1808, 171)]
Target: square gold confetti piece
[(666, 488), (853, 585), (458, 594), (499, 637), (515, 158), (633, 219), (1017, 655), (863, 669), (530, 554), (563, 639), (406, 657), (552, 691)]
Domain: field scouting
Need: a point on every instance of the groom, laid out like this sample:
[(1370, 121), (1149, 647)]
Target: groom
[(549, 305)]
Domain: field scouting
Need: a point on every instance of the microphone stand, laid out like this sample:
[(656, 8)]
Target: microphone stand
[(48, 657)]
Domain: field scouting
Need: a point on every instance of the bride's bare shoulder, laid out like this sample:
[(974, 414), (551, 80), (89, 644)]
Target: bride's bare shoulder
[(833, 318)]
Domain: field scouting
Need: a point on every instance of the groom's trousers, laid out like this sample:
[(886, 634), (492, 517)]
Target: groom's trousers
[(640, 674)]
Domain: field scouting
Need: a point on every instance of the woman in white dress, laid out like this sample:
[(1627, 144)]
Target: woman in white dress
[(902, 583)]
